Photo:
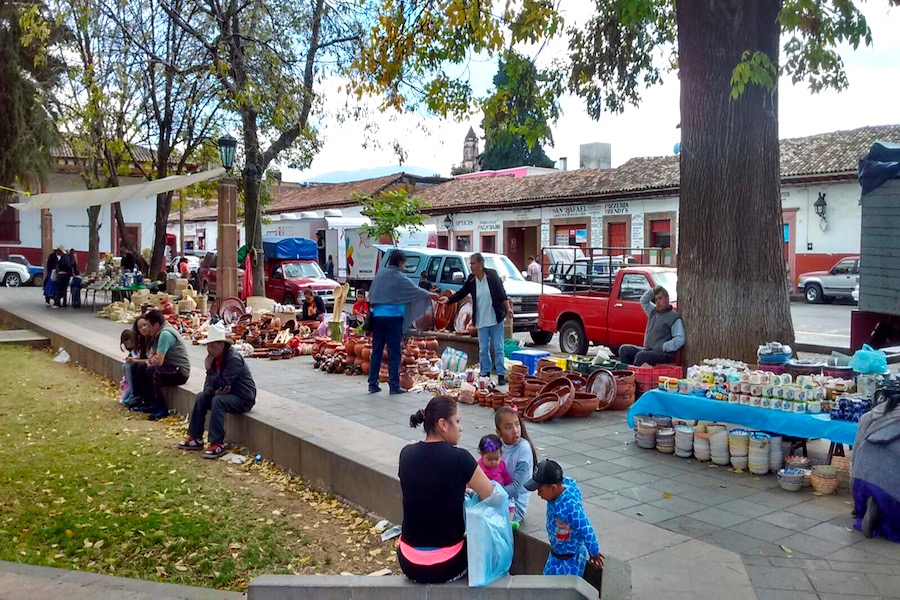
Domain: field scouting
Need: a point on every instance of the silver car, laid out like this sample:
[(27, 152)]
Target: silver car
[(837, 282)]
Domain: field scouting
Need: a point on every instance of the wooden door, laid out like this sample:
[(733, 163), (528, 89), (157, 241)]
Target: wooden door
[(617, 236)]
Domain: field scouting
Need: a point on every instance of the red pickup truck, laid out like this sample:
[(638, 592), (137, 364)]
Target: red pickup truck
[(611, 316)]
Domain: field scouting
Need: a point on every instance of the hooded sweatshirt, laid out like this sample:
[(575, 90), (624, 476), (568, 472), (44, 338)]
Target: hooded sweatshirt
[(876, 450), (520, 464), (568, 528)]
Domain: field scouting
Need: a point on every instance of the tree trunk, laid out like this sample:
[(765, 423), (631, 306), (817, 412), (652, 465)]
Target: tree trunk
[(252, 209), (93, 264), (731, 250), (127, 241), (163, 206)]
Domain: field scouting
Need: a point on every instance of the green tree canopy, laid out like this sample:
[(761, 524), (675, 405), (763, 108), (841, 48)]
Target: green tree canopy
[(518, 114)]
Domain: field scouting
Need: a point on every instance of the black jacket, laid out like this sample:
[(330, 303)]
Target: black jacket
[(498, 295), (234, 373), (306, 312), (66, 265)]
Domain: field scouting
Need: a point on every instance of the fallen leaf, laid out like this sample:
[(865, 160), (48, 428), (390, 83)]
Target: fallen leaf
[(88, 543), (786, 549), (98, 544), (181, 568), (667, 496)]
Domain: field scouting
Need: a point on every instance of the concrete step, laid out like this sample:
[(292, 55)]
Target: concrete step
[(24, 337)]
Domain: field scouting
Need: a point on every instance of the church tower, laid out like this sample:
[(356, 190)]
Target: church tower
[(470, 152)]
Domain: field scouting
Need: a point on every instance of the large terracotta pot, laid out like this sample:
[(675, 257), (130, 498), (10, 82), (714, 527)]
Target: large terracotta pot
[(431, 343), (383, 375), (406, 381), (358, 361), (365, 367), (367, 352), (350, 347)]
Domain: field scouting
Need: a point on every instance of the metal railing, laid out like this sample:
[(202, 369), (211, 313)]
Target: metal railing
[(594, 268)]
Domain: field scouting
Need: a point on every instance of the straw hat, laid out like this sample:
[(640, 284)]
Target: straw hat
[(217, 333)]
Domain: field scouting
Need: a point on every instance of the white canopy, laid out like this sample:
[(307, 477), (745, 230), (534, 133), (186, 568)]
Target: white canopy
[(86, 198)]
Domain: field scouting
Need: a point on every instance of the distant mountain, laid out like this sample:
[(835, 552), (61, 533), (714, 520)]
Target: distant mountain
[(359, 174)]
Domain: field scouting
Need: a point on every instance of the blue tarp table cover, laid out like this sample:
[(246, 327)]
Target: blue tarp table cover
[(693, 407)]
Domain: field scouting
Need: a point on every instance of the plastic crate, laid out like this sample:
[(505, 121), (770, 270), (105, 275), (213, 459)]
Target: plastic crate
[(648, 377), (529, 358), (562, 363)]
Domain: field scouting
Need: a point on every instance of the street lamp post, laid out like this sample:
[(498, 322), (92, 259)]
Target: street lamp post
[(226, 244), (448, 224)]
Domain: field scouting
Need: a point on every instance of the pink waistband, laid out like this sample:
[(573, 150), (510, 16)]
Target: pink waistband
[(427, 558)]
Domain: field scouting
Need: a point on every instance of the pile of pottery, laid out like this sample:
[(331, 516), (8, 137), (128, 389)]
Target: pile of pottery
[(625, 389), (701, 446), (645, 433), (776, 454), (791, 479), (665, 440), (718, 444), (684, 441)]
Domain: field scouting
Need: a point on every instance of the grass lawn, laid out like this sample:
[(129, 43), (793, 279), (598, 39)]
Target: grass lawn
[(85, 484)]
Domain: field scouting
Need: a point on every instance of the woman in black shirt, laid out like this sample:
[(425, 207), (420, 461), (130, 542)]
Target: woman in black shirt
[(433, 478)]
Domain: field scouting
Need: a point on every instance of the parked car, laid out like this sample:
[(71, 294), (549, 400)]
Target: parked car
[(837, 282), (290, 267), (12, 274), (611, 316), (449, 270), (855, 293), (193, 264), (36, 272), (206, 274)]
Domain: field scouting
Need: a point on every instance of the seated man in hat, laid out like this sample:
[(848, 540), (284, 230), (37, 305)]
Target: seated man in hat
[(229, 388), (664, 335)]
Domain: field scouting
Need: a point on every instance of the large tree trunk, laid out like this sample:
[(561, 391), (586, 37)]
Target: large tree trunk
[(93, 239), (163, 207), (252, 209), (730, 257)]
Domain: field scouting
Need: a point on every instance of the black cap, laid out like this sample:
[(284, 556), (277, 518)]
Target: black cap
[(548, 472)]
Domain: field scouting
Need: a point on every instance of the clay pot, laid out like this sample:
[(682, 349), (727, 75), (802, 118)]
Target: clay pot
[(383, 375), (544, 362), (583, 405), (408, 359), (406, 381), (358, 361), (364, 367), (367, 352), (350, 347), (579, 381), (519, 370), (550, 372), (431, 343)]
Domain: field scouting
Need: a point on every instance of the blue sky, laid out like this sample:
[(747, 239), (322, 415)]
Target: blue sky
[(647, 130)]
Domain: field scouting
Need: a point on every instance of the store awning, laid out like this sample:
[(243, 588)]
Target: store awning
[(86, 198)]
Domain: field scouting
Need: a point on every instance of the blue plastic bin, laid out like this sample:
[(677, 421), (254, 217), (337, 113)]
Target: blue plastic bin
[(529, 358)]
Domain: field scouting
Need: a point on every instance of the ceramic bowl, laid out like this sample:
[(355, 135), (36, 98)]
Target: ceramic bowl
[(825, 470), (789, 487)]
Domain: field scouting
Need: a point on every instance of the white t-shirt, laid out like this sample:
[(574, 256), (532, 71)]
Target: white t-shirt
[(484, 311)]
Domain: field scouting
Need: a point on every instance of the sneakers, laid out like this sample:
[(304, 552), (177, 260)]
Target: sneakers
[(374, 389), (398, 391), (191, 443), (215, 450), (157, 413)]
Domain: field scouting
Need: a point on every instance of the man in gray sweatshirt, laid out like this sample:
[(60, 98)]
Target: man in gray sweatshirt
[(664, 334)]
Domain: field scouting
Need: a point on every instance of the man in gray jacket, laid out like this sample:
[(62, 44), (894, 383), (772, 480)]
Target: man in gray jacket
[(664, 335)]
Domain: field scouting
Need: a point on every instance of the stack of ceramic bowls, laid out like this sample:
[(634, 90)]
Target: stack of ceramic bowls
[(738, 447), (824, 479), (776, 454), (843, 464), (701, 446), (790, 479), (646, 433), (796, 461), (665, 440), (758, 458), (718, 448), (662, 421), (684, 441), (716, 427)]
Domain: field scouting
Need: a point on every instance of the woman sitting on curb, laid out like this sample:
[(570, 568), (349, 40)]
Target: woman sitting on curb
[(433, 478)]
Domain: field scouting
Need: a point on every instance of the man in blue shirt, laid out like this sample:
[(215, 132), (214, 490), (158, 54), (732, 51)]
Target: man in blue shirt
[(491, 308)]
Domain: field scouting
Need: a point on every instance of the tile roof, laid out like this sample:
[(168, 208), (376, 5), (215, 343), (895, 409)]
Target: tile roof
[(831, 153), (203, 213), (64, 150), (294, 197)]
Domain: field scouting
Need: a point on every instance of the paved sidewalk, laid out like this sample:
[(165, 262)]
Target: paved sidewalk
[(27, 582), (672, 528)]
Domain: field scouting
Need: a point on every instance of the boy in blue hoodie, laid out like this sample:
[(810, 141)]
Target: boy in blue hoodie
[(572, 539)]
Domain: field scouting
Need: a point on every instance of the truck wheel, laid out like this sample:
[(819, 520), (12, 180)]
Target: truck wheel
[(37, 280), (541, 338), (813, 293), (572, 339), (12, 280), (288, 299)]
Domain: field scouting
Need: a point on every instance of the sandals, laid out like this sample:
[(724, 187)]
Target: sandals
[(215, 450)]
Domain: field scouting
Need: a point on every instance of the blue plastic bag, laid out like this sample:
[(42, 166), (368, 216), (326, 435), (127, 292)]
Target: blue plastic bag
[(869, 360), (489, 537)]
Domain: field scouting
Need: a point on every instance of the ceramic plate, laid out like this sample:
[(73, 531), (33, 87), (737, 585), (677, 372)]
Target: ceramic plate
[(231, 310), (603, 384), (463, 316)]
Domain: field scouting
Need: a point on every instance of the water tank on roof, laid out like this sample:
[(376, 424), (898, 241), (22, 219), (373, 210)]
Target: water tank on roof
[(333, 212), (309, 214)]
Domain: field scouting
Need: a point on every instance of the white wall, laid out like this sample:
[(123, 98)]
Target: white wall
[(841, 233)]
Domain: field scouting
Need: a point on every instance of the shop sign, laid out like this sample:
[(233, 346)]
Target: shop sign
[(562, 238), (463, 223), (495, 226), (566, 211), (617, 208)]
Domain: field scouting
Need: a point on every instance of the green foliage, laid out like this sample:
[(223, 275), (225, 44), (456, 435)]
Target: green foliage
[(391, 211), (754, 69), (517, 115), (27, 78), (405, 58)]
